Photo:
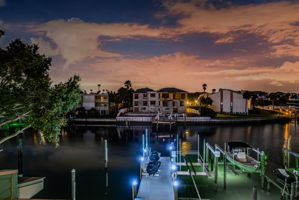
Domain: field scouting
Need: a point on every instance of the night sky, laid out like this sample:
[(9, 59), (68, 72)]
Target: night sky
[(237, 44)]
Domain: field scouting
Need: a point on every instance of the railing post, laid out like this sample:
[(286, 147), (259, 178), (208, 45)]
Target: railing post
[(134, 189), (106, 153), (73, 184), (254, 193), (146, 139), (224, 167)]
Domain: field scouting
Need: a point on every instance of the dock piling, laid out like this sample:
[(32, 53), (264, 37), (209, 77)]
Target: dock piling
[(106, 153), (73, 184), (134, 189), (254, 193)]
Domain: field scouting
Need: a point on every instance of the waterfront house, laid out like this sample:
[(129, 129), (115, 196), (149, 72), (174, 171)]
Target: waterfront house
[(145, 100), (172, 100), (165, 100), (229, 101), (98, 101)]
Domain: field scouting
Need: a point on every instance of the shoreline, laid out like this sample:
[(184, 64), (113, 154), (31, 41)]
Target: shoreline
[(200, 121)]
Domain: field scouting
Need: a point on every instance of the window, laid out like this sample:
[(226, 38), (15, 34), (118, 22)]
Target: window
[(135, 103), (136, 96), (144, 95), (153, 95), (153, 103), (181, 103), (165, 95), (145, 103), (165, 104), (173, 103), (183, 96)]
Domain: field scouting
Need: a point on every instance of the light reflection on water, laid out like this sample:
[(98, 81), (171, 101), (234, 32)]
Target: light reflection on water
[(82, 148)]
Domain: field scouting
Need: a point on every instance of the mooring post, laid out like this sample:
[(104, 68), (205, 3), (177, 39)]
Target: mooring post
[(263, 168), (198, 140), (177, 148), (175, 190), (224, 167), (216, 172), (254, 193), (73, 184), (180, 154), (146, 139), (143, 145), (204, 151), (106, 153), (134, 189), (292, 191)]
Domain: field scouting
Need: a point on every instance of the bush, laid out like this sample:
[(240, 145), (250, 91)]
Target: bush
[(207, 112)]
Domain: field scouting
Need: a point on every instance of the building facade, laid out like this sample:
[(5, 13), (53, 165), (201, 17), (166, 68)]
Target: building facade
[(98, 101), (165, 100), (229, 101), (145, 100), (172, 100)]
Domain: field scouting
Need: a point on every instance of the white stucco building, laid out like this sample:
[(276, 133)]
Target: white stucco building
[(145, 100), (229, 101), (98, 101), (165, 100)]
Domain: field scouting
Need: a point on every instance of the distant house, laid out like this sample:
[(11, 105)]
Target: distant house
[(229, 101), (165, 100), (88, 100), (172, 100), (102, 102), (98, 101), (145, 100)]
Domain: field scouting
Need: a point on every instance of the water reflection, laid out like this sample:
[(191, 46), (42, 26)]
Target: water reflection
[(82, 148)]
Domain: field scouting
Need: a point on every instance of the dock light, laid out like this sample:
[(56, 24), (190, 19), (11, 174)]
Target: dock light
[(134, 183), (173, 167), (141, 158), (170, 147), (175, 183), (144, 150)]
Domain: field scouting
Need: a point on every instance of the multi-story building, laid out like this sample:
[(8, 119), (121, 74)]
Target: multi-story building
[(102, 102), (172, 100), (165, 100), (145, 100), (98, 101), (88, 100), (229, 101)]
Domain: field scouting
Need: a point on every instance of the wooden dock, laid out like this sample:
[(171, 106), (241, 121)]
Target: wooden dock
[(158, 187)]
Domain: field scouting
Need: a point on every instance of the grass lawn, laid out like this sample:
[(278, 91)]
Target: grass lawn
[(257, 113)]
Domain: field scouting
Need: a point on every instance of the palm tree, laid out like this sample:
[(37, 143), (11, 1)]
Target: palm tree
[(128, 84), (204, 87)]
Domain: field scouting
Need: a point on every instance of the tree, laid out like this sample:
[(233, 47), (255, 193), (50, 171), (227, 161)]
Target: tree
[(205, 101), (204, 87), (27, 92), (128, 84), (125, 94), (1, 33)]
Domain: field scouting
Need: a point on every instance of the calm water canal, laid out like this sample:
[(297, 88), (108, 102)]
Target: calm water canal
[(82, 148)]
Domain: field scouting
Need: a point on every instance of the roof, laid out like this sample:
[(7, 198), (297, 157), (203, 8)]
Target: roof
[(238, 145), (170, 90), (144, 90)]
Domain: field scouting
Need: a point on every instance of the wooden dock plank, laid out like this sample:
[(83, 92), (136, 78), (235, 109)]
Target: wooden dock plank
[(158, 188)]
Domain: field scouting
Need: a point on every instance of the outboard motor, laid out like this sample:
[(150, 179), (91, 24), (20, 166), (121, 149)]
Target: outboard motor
[(153, 167), (154, 164), (154, 157)]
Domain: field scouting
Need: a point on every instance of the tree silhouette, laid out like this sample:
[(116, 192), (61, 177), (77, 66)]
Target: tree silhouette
[(204, 87)]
